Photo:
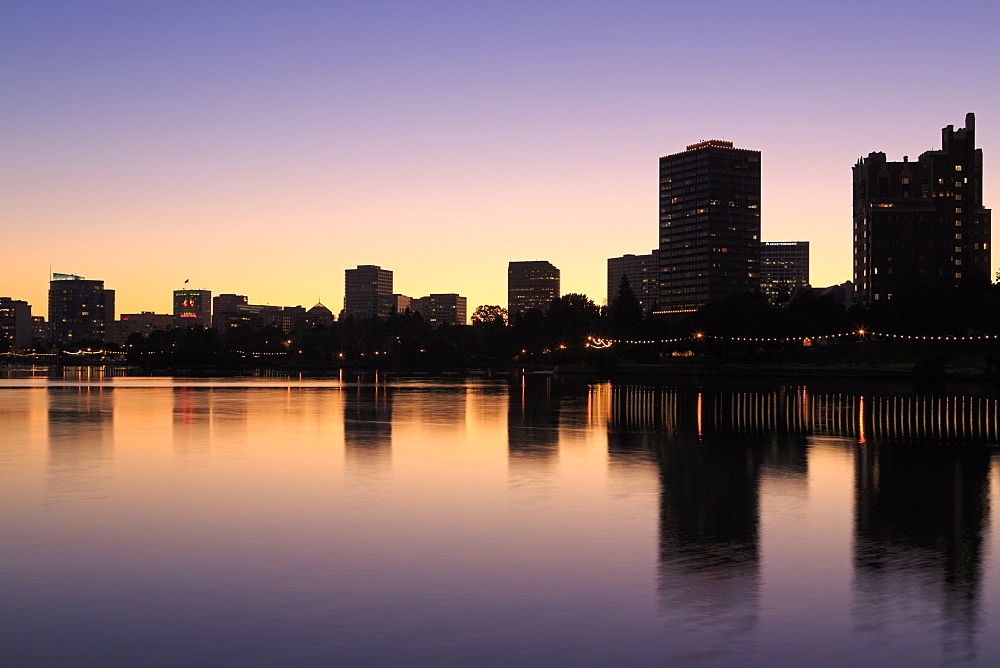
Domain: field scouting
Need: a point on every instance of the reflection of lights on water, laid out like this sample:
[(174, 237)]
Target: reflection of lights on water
[(861, 419), (699, 414)]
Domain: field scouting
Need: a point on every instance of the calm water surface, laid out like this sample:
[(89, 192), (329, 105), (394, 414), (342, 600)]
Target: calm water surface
[(148, 521)]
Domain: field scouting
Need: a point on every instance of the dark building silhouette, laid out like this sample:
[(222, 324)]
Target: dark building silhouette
[(319, 316), (80, 311), (921, 225), (531, 284), (709, 225), (193, 308), (643, 274), (142, 323), (233, 312), (784, 269), (368, 292), (15, 323)]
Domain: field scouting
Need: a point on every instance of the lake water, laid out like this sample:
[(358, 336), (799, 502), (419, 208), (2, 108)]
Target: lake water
[(157, 521)]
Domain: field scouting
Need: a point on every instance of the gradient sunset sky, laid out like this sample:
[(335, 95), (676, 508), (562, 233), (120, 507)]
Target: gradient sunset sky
[(264, 147)]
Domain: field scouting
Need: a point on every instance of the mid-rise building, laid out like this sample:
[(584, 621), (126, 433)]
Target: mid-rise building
[(784, 269), (368, 292), (441, 309), (80, 311), (15, 323), (709, 225), (532, 284), (228, 303), (401, 302), (142, 323), (921, 225), (193, 308), (643, 274)]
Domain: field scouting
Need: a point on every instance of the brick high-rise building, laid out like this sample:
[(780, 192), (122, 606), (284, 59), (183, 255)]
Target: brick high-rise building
[(921, 225), (709, 225)]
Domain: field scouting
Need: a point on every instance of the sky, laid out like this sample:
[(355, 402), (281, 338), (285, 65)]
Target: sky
[(262, 148)]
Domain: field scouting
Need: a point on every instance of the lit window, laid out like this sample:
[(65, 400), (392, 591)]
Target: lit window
[(958, 223), (958, 209), (958, 274), (958, 168), (958, 236), (958, 249), (958, 263)]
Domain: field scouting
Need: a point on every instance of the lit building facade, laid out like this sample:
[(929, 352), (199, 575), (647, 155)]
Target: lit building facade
[(368, 292), (643, 274), (784, 269), (921, 225), (80, 311), (193, 308), (709, 225), (441, 309), (15, 323), (531, 284)]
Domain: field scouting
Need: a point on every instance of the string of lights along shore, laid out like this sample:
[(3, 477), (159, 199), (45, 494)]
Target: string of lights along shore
[(917, 225)]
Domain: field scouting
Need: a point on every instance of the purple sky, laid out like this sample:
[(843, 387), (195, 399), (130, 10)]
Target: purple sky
[(263, 148)]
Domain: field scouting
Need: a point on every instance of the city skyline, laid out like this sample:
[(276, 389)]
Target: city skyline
[(149, 146)]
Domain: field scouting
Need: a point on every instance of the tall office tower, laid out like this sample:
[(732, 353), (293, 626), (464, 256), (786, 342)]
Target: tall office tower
[(193, 307), (368, 291), (709, 225), (15, 323), (921, 225), (80, 311), (531, 284), (784, 268), (643, 274), (441, 309)]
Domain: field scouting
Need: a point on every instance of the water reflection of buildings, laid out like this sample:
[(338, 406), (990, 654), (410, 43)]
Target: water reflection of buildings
[(81, 436), (368, 428), (205, 415), (920, 515), (533, 422), (920, 510)]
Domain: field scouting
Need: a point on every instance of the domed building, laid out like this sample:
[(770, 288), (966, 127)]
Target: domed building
[(319, 315)]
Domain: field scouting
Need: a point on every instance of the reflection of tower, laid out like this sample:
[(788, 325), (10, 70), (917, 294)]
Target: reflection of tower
[(533, 420), (920, 513), (81, 436), (368, 428), (709, 562)]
